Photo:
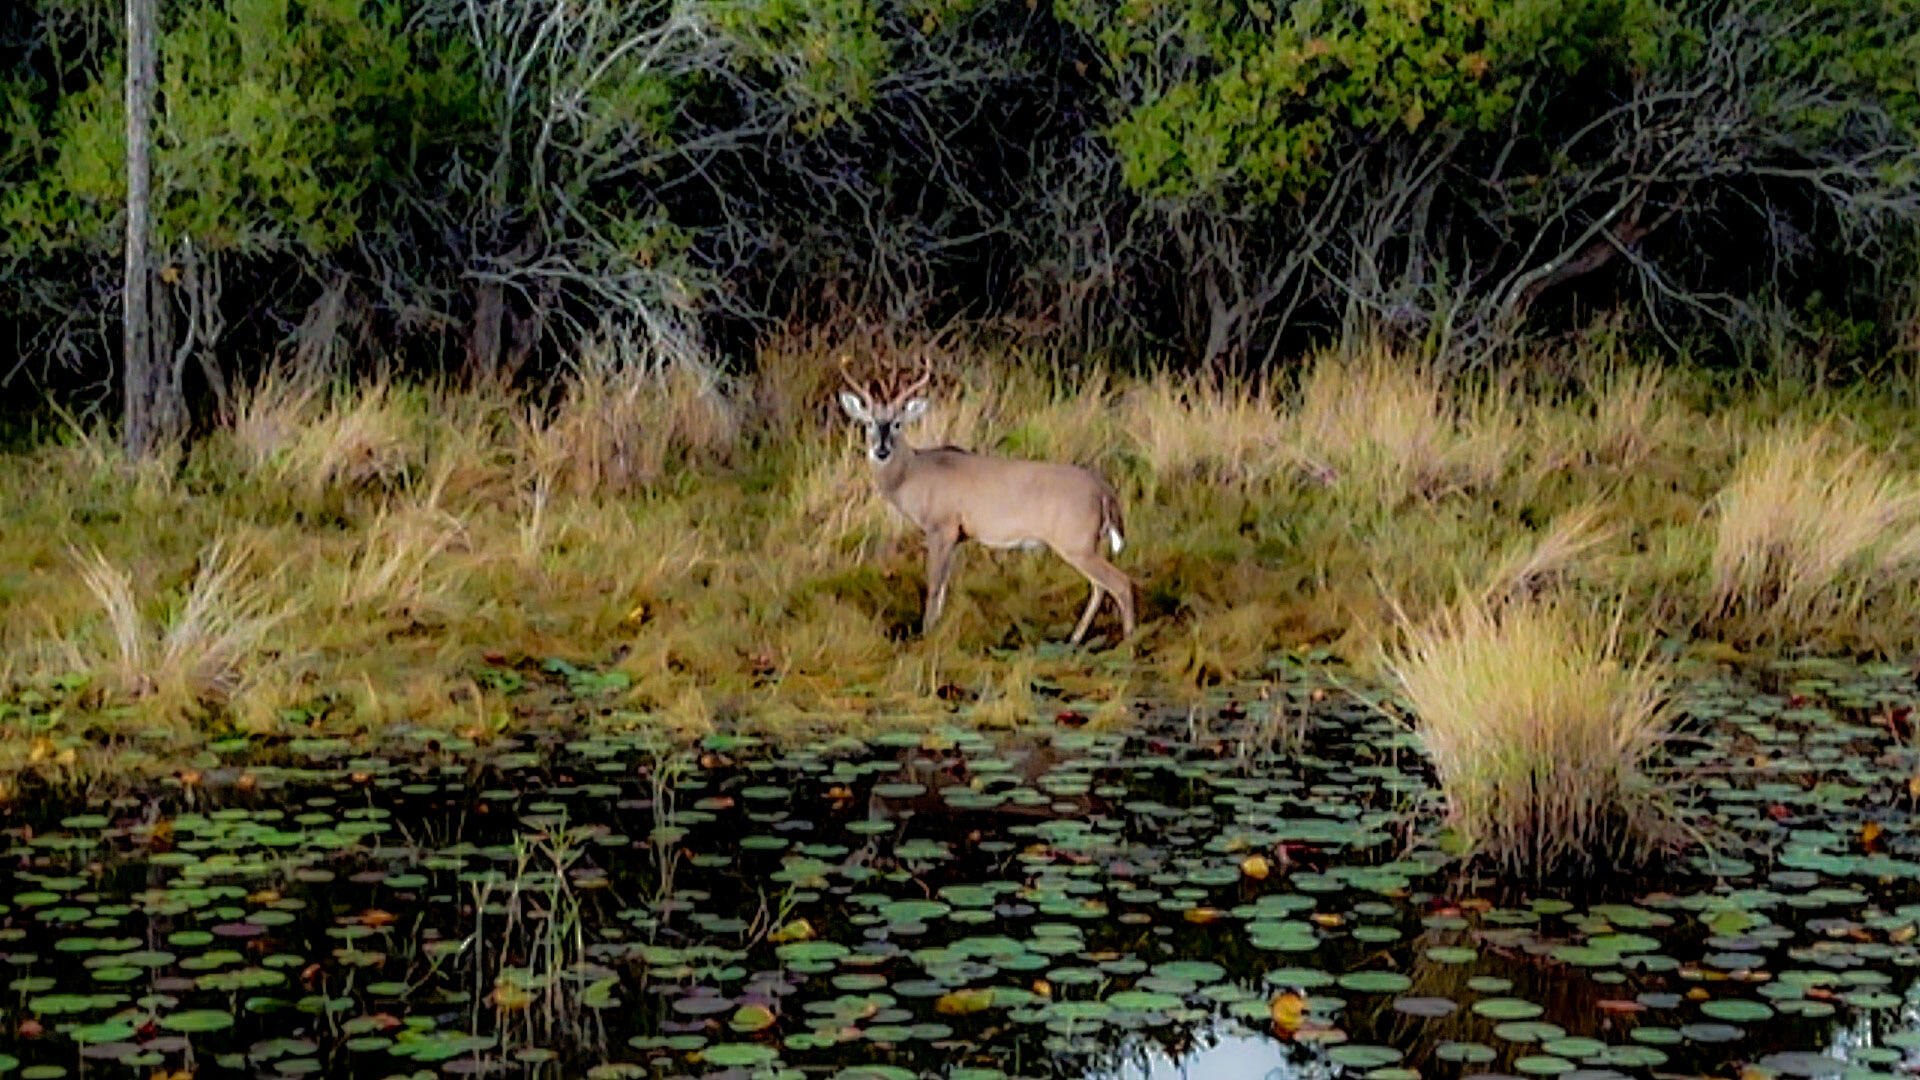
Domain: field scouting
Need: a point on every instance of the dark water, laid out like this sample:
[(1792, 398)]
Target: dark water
[(1050, 903)]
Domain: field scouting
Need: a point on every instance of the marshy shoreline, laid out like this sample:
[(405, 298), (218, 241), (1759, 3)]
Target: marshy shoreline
[(340, 560)]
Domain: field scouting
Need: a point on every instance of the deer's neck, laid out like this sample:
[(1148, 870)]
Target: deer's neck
[(888, 475)]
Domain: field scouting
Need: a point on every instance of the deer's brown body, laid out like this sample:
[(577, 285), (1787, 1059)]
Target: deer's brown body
[(955, 495)]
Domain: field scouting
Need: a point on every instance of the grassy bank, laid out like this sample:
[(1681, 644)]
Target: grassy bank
[(350, 560)]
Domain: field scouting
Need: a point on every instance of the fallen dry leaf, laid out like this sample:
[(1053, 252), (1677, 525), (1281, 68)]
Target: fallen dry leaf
[(1289, 1011)]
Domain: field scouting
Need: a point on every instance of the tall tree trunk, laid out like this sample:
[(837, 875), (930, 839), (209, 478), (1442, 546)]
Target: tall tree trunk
[(153, 406)]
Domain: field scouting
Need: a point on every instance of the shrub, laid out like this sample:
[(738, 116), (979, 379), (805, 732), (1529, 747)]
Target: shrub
[(198, 653), (1806, 530), (1540, 733)]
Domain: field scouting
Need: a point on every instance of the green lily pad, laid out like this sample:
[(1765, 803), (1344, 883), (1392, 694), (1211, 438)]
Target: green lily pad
[(731, 1055), (197, 1020), (1507, 1009)]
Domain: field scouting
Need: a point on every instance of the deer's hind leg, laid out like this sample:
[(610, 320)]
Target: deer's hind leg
[(1107, 579), (1086, 618)]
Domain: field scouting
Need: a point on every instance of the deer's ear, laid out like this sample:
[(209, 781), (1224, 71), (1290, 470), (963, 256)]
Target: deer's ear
[(913, 410), (856, 408)]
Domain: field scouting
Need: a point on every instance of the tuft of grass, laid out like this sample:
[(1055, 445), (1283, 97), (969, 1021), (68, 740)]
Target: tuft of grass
[(1383, 427), (271, 416), (1210, 431), (1807, 533), (1632, 419), (302, 436), (199, 652), (1543, 561), (618, 428), (1540, 730), (392, 571)]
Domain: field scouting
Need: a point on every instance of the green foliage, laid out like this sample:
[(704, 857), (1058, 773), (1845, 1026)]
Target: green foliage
[(1229, 99), (20, 128), (826, 55), (491, 179), (269, 129), (1864, 52)]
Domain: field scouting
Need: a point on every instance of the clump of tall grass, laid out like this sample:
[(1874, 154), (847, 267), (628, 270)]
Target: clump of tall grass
[(305, 435), (1632, 417), (1807, 531), (1384, 427), (392, 569), (199, 651), (1534, 566), (1189, 430), (1540, 730), (618, 427)]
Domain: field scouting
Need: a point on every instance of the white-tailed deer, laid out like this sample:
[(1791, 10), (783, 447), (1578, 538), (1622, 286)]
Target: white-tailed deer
[(955, 495)]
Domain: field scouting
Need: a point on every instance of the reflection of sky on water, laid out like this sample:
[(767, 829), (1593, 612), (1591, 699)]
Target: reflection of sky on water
[(1897, 1030), (1223, 1056)]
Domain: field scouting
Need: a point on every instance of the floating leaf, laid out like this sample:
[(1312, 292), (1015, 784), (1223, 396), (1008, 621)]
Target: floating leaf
[(1736, 1010), (197, 1020), (1287, 1011), (732, 1055), (751, 1018), (1507, 1009)]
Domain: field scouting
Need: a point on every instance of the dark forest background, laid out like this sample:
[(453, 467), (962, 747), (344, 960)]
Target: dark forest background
[(479, 188)]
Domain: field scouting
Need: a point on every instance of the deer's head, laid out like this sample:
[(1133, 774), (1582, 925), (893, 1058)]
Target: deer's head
[(884, 412)]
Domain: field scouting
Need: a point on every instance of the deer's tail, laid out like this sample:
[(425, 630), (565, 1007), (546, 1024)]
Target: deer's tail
[(1111, 525)]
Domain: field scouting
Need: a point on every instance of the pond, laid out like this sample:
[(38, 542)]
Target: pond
[(1251, 890)]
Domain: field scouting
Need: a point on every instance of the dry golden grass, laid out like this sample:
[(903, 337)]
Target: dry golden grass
[(309, 438), (272, 416), (1810, 531), (1633, 419), (391, 572), (1381, 426), (1540, 562), (196, 653), (1539, 728), (719, 544), (617, 429), (1195, 431)]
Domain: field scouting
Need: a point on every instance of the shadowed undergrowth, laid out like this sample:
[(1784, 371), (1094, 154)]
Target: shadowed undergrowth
[(348, 559)]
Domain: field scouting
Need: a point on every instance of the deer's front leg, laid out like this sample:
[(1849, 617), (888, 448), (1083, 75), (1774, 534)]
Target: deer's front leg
[(940, 550)]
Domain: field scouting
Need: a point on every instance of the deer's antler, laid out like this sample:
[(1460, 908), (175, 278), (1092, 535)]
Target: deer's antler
[(864, 390), (878, 390), (926, 376)]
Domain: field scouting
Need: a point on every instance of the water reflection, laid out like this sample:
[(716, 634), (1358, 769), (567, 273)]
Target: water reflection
[(1220, 1055)]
